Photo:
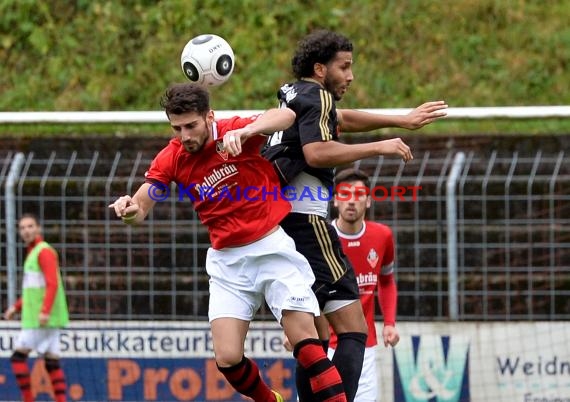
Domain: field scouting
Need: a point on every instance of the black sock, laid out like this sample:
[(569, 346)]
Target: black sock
[(348, 358)]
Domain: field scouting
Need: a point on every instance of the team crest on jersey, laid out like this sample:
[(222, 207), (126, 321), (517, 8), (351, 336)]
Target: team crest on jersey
[(289, 91), (372, 257), (221, 150)]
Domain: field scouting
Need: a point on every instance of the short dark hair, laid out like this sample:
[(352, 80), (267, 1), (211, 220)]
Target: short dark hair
[(186, 97), (318, 47), (351, 175), (30, 215)]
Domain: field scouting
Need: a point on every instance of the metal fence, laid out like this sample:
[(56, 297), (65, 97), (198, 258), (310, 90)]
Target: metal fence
[(512, 229)]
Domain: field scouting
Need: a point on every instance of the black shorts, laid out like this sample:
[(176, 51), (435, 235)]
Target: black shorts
[(318, 241)]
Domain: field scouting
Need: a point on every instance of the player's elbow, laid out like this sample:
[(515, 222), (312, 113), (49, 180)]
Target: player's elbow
[(315, 161), (290, 115), (315, 156)]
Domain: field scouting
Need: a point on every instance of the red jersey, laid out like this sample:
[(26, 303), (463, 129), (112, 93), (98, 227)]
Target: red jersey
[(371, 253), (237, 197)]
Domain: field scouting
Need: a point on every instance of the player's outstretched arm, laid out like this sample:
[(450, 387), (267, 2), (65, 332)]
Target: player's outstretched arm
[(133, 210), (269, 122), (332, 153), (360, 121), (272, 120)]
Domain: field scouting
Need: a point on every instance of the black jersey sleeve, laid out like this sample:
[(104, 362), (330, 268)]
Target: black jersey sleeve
[(316, 115), (316, 121)]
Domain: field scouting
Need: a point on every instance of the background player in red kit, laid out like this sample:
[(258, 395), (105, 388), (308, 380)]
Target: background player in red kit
[(369, 247), (251, 258)]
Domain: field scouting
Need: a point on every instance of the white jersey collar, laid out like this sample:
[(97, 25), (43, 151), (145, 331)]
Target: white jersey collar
[(347, 235)]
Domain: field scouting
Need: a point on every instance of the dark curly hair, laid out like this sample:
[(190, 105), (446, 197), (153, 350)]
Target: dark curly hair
[(318, 47), (186, 97)]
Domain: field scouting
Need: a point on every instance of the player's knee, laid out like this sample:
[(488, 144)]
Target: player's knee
[(349, 323), (18, 356), (227, 358), (358, 324), (363, 328), (51, 364)]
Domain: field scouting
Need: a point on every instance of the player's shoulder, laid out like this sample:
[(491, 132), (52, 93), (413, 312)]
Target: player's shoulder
[(378, 228), (233, 123), (45, 246), (172, 148), (302, 92), (170, 154)]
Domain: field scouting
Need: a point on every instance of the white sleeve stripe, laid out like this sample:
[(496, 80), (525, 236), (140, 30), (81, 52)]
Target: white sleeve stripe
[(387, 269)]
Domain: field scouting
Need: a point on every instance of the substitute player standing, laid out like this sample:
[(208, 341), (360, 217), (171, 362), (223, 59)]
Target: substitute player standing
[(251, 258), (44, 311), (304, 156), (369, 247)]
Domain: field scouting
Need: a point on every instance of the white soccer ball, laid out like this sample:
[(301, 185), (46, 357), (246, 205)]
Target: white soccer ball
[(207, 59)]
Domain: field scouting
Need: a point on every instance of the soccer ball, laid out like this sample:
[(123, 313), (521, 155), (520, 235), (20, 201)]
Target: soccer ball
[(207, 59)]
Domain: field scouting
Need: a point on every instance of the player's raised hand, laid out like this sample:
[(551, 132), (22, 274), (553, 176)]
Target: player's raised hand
[(394, 146), (124, 206), (425, 114), (390, 335), (234, 139)]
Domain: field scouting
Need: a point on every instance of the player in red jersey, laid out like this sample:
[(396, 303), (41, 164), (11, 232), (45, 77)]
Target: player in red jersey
[(251, 258), (369, 247)]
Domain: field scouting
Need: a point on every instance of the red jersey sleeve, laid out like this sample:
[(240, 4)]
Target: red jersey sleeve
[(387, 298), (162, 166), (49, 266), (387, 266), (387, 290), (254, 143)]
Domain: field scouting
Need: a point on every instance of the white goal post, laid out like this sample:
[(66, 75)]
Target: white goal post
[(151, 116)]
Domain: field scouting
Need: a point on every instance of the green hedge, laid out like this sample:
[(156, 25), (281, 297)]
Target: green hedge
[(120, 55)]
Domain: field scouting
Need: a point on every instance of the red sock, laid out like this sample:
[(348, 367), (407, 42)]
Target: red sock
[(22, 372), (57, 379), (246, 379), (326, 384)]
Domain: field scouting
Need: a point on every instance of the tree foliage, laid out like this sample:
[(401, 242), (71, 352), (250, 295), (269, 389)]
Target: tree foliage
[(120, 55)]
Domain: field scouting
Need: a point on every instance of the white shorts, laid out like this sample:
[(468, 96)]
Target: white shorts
[(369, 381), (42, 340), (270, 268)]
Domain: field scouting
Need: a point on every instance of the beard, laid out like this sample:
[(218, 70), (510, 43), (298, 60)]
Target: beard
[(351, 216), (193, 146), (330, 86)]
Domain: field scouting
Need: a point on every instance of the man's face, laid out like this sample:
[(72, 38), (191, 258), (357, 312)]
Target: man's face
[(28, 230), (352, 200), (193, 129), (339, 74)]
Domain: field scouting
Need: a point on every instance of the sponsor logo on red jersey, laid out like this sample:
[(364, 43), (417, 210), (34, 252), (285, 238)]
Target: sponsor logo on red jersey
[(372, 257)]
